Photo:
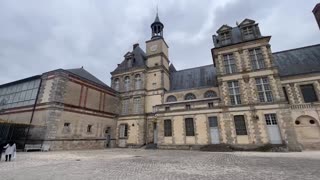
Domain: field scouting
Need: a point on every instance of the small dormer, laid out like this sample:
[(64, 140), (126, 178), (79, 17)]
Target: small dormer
[(249, 29), (224, 35), (128, 58)]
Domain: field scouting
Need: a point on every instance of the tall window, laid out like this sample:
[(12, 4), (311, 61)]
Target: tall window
[(89, 128), (225, 38), (213, 121), (256, 57), (116, 84), (138, 82), (210, 94), (136, 105), (234, 92), (308, 93), (127, 83), (189, 127), (247, 32), (123, 130), (167, 128), (240, 125), (171, 99), (264, 89), (189, 96), (229, 64), (125, 106)]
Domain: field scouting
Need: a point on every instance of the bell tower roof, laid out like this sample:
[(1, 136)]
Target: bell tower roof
[(157, 28)]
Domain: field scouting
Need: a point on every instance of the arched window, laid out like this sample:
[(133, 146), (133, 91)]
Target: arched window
[(138, 81), (116, 84), (171, 99), (189, 96), (210, 94), (127, 83)]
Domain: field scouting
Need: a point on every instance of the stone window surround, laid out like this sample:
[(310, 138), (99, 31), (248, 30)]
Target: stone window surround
[(306, 83), (126, 134), (263, 90), (137, 107), (190, 96), (228, 63), (256, 60), (192, 133), (245, 125), (314, 88), (171, 98), (210, 94)]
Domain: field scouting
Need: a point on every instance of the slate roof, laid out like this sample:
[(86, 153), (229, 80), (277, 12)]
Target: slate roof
[(203, 76), (298, 61), (138, 60), (82, 73)]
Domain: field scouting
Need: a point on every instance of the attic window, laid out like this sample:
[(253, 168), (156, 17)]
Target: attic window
[(247, 33), (225, 38)]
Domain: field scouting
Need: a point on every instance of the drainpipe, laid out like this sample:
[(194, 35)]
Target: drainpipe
[(32, 114)]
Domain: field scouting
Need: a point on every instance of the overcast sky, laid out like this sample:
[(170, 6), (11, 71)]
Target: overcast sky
[(42, 35)]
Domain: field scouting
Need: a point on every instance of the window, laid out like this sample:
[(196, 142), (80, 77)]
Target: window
[(189, 127), (23, 94), (285, 93), (138, 81), (234, 92), (271, 119), (225, 38), (171, 99), (229, 64), (213, 121), (264, 89), (66, 128), (189, 96), (188, 107), (136, 105), (127, 83), (167, 128), (125, 106), (123, 130), (167, 108), (240, 125), (116, 84), (89, 128), (247, 33), (256, 58), (210, 105), (210, 94), (308, 93)]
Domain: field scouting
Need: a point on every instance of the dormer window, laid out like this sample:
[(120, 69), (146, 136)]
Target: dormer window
[(225, 38), (247, 33)]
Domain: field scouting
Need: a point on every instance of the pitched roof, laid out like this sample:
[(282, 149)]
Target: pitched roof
[(203, 76), (298, 61), (138, 58), (82, 73)]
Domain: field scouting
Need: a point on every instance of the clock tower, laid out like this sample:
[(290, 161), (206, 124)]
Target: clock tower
[(157, 75)]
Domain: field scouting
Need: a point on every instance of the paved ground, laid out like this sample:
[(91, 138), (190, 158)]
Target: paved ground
[(161, 164)]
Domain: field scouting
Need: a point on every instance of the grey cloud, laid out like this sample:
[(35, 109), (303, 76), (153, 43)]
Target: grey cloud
[(38, 36)]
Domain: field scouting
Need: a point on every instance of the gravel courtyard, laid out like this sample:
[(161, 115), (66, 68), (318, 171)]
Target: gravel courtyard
[(161, 164)]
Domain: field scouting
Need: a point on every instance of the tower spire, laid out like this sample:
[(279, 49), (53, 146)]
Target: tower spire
[(157, 27)]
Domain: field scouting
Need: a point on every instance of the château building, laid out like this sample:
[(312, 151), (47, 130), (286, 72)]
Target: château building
[(248, 96)]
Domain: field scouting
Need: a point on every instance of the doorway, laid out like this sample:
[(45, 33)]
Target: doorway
[(214, 130)]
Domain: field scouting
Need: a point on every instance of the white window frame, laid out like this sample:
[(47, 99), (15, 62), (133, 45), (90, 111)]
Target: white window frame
[(234, 92), (136, 105), (230, 65), (256, 62), (125, 106), (265, 91)]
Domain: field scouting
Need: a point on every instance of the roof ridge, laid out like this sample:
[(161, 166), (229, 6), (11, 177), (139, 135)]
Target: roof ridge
[(314, 45), (194, 67)]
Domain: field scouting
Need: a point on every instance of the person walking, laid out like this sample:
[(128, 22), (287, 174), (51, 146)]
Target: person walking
[(10, 151)]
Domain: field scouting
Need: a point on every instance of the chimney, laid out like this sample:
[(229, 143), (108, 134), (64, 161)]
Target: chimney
[(135, 45)]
